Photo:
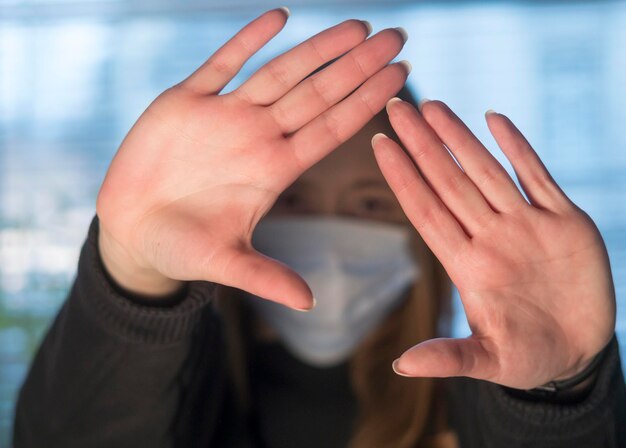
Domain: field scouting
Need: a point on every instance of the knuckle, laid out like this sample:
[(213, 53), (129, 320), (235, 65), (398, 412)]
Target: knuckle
[(541, 177), (315, 50), (464, 358), (365, 99), (489, 176), (242, 95), (358, 66), (332, 126), (516, 207), (427, 217), (486, 218), (278, 73), (418, 152), (222, 65), (241, 41), (453, 185), (406, 186), (320, 90), (279, 115)]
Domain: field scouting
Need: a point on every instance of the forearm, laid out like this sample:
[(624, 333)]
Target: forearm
[(110, 372)]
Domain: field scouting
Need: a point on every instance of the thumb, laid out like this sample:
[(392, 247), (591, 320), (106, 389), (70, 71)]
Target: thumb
[(266, 277), (445, 357)]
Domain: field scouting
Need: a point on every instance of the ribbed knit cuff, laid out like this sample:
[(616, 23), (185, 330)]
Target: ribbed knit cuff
[(516, 417), (102, 301)]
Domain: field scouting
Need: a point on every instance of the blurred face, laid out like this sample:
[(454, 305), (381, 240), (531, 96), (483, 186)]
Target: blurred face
[(347, 183)]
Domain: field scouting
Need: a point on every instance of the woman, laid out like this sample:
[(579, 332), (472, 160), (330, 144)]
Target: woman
[(178, 332)]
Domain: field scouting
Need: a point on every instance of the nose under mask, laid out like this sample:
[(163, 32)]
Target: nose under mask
[(359, 271)]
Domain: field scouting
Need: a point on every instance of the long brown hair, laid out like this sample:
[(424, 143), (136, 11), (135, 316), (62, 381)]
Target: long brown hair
[(393, 411), (396, 411)]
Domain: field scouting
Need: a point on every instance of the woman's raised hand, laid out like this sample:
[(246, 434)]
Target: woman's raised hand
[(198, 170), (534, 278)]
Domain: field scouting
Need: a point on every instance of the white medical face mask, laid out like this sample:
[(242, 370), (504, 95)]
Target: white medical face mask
[(358, 272)]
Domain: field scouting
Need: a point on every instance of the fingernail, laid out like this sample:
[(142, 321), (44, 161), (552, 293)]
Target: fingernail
[(393, 100), (307, 309), (394, 366), (421, 103), (368, 26), (378, 137), (407, 65), (403, 33), (284, 8), (490, 112)]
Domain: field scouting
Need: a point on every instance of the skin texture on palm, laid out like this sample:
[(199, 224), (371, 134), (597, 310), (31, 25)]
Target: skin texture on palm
[(534, 277), (198, 170)]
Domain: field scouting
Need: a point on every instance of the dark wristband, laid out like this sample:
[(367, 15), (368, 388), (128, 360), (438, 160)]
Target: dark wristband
[(557, 388)]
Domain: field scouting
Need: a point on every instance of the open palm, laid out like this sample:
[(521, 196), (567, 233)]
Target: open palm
[(534, 277), (199, 170)]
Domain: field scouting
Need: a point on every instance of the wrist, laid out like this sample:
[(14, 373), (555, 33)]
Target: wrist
[(573, 385), (129, 275), (575, 371)]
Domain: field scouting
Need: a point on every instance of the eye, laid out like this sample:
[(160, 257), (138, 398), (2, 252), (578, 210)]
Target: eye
[(372, 205), (290, 200), (293, 202)]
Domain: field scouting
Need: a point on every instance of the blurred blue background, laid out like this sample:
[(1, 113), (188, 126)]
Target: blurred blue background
[(75, 75)]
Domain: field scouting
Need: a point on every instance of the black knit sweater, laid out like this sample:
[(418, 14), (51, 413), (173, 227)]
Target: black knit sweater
[(115, 372)]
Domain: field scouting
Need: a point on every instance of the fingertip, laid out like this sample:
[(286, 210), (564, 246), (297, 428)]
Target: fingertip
[(396, 368), (377, 138), (391, 102), (403, 33), (490, 113), (421, 103), (385, 154), (497, 121), (368, 27), (313, 304), (286, 11), (407, 66), (303, 296)]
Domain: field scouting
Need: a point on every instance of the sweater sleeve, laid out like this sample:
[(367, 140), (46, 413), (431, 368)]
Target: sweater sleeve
[(113, 372), (485, 415)]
